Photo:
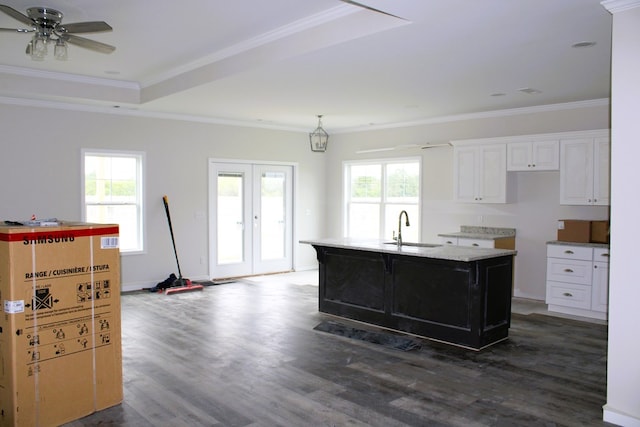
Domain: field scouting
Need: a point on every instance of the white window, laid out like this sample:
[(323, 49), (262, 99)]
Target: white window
[(375, 194), (112, 194)]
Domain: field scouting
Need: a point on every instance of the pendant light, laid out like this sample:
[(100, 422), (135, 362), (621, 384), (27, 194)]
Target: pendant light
[(319, 138)]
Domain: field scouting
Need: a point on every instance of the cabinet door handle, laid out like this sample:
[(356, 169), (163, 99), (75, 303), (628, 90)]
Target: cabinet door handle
[(568, 252), (475, 244), (567, 294), (449, 242), (595, 266), (568, 270), (605, 255)]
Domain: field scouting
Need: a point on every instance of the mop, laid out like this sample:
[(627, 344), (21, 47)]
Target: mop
[(180, 284)]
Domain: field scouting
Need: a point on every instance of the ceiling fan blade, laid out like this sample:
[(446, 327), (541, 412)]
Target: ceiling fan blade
[(17, 30), (364, 6), (434, 145), (16, 15), (88, 44), (86, 27)]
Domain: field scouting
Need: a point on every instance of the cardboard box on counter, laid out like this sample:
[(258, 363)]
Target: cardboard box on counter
[(60, 337), (574, 230), (583, 231), (600, 231)]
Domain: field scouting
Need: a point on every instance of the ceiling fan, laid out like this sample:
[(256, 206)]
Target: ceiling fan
[(47, 27), (364, 6), (424, 146)]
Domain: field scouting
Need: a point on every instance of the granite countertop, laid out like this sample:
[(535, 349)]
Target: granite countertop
[(481, 233), (447, 252), (588, 245)]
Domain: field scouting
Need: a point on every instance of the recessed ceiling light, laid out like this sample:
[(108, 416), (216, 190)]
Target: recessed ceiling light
[(583, 44), (529, 91)]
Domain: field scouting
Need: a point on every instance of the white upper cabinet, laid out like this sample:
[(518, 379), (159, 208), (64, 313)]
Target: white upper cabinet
[(483, 168), (601, 171), (533, 155), (480, 173), (584, 171)]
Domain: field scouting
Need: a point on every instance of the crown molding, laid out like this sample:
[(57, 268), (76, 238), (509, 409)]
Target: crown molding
[(66, 77), (615, 6), (134, 112), (483, 115)]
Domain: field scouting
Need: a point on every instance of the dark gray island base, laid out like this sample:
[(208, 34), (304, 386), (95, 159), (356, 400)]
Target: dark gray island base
[(435, 292)]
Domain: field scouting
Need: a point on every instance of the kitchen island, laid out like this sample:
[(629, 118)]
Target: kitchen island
[(458, 295)]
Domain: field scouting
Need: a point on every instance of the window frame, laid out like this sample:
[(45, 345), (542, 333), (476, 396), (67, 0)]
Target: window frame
[(140, 158), (383, 203)]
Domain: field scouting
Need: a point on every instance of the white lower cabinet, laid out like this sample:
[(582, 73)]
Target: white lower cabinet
[(476, 243), (449, 240), (507, 242), (578, 280), (465, 241)]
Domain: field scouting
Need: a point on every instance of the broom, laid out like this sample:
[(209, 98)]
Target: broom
[(180, 284)]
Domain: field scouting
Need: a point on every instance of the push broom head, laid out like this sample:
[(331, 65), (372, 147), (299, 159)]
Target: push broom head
[(182, 285)]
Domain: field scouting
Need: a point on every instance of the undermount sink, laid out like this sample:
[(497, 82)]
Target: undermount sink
[(421, 245)]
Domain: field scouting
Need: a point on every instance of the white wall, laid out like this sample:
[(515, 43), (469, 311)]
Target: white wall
[(40, 174), (40, 171), (623, 367), (535, 212)]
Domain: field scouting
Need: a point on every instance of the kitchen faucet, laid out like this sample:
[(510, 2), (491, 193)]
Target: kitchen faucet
[(400, 226)]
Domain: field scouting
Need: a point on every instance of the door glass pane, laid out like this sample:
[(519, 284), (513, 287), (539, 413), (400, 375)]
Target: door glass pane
[(230, 220), (272, 213)]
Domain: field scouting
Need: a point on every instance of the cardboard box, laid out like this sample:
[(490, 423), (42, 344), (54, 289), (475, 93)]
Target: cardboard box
[(60, 337), (574, 230), (600, 231)]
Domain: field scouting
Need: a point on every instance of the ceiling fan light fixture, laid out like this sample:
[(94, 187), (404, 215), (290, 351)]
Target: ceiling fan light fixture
[(319, 138), (46, 24), (60, 50), (38, 47)]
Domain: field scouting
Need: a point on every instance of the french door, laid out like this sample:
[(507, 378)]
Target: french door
[(250, 219)]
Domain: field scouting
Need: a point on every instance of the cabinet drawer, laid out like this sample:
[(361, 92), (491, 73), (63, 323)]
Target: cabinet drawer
[(448, 240), (601, 254), (570, 252), (476, 243), (569, 295), (571, 271)]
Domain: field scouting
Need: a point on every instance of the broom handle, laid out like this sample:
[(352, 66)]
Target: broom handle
[(165, 199)]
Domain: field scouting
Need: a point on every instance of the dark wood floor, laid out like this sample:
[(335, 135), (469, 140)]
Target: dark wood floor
[(246, 354)]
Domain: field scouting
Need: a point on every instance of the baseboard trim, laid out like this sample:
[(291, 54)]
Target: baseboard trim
[(619, 418)]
